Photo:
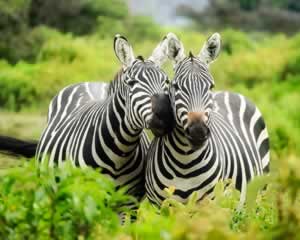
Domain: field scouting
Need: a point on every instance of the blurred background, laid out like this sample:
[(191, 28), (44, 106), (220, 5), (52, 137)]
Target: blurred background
[(46, 45)]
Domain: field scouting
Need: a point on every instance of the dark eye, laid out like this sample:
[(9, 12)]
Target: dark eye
[(168, 82), (212, 86), (131, 82), (175, 86)]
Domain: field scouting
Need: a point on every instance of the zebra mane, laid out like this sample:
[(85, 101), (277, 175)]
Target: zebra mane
[(116, 83)]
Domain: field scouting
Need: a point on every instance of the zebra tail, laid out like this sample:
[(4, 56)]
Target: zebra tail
[(17, 147)]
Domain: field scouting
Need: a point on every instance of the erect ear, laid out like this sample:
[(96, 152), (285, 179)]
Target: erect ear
[(211, 48), (123, 51), (160, 53), (175, 48)]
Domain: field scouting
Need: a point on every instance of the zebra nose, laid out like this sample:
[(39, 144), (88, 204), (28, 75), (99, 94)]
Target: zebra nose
[(162, 120), (197, 133), (160, 103)]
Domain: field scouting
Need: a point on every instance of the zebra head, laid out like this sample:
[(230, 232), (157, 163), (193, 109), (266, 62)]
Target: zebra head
[(191, 90), (147, 102)]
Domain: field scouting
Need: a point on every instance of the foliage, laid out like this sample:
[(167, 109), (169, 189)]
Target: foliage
[(21, 37), (60, 204), (61, 61), (66, 15), (24, 24), (234, 41), (79, 17), (71, 203), (254, 15), (17, 40)]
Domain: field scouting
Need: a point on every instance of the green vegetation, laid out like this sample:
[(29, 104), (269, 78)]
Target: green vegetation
[(60, 204), (41, 53), (72, 203)]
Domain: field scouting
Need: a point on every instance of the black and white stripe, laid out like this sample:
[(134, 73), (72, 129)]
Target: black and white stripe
[(99, 125), (218, 135)]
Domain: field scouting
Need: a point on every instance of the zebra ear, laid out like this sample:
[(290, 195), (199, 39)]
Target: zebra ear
[(160, 53), (211, 49), (175, 48), (123, 50)]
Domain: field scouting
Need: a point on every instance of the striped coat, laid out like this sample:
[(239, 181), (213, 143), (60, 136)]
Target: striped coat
[(218, 135)]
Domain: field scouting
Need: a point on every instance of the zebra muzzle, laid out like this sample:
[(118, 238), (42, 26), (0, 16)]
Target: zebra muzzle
[(197, 133), (162, 120)]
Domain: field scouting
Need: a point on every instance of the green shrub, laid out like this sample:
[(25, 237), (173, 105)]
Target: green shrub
[(292, 66), (253, 67), (62, 60), (234, 41), (17, 89), (73, 203), (78, 17), (108, 27), (23, 45), (19, 19), (60, 204)]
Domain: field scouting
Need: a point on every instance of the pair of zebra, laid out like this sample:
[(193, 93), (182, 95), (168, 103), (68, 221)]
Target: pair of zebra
[(201, 136)]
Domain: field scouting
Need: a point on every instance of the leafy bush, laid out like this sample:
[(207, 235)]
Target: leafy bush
[(293, 64), (24, 44), (72, 203), (62, 60), (59, 204), (78, 17), (233, 41), (19, 19)]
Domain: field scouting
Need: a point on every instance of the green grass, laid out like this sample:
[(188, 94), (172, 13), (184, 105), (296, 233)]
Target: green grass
[(26, 125)]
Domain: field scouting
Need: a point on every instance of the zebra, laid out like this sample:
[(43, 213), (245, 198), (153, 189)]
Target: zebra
[(101, 126), (218, 135)]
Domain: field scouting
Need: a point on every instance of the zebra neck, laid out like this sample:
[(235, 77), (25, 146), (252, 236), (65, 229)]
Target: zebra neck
[(120, 125)]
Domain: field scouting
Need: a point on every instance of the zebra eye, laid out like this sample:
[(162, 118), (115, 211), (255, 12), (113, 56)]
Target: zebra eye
[(168, 82), (175, 86), (212, 86), (131, 82)]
